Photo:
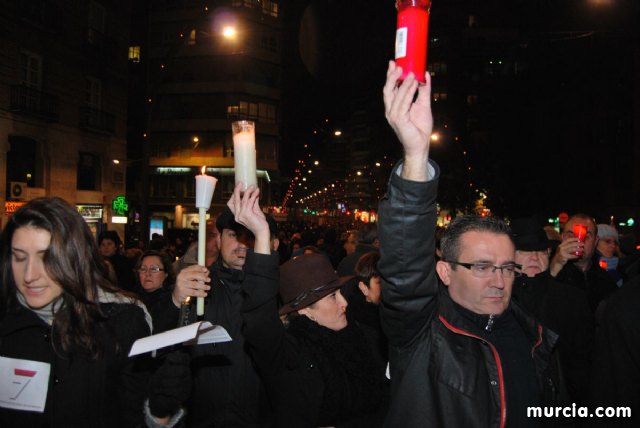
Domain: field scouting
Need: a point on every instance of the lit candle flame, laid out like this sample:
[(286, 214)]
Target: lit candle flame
[(203, 169)]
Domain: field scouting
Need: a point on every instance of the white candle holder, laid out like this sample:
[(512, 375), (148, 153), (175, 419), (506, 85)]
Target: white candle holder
[(244, 153)]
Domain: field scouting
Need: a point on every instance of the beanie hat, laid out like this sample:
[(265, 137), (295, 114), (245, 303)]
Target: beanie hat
[(606, 231)]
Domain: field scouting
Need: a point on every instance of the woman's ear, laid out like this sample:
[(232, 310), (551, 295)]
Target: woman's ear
[(363, 288), (306, 312)]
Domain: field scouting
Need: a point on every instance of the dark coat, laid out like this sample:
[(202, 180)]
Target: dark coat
[(444, 373), (314, 376), (615, 378), (83, 392), (565, 310), (227, 391), (347, 265), (595, 282), (123, 268)]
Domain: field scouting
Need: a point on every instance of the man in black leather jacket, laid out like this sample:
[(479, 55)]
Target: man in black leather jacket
[(462, 355)]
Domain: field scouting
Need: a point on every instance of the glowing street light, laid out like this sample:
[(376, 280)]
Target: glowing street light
[(229, 32)]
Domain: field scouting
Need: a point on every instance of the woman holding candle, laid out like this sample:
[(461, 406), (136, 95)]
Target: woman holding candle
[(318, 371)]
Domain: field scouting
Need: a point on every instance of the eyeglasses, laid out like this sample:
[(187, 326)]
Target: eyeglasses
[(485, 270), (150, 269)]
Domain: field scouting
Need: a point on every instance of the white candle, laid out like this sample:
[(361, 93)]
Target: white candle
[(205, 185), (244, 153)]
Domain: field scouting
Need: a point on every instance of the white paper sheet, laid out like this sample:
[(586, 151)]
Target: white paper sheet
[(23, 384), (197, 333)]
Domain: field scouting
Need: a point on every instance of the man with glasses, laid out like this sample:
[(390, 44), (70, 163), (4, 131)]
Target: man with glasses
[(462, 354), (558, 306), (581, 271)]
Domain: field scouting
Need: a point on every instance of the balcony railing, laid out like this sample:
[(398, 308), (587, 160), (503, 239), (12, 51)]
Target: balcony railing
[(96, 120), (32, 102)]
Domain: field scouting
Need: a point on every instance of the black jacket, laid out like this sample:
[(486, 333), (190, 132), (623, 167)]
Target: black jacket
[(83, 393), (314, 376), (443, 372), (563, 309), (595, 282), (227, 391), (615, 378)]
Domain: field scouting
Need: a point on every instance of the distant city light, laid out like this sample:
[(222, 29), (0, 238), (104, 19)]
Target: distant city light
[(337, 133)]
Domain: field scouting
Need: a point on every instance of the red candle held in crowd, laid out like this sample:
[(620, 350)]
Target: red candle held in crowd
[(411, 37), (580, 232)]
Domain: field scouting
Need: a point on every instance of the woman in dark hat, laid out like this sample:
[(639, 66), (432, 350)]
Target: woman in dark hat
[(319, 369)]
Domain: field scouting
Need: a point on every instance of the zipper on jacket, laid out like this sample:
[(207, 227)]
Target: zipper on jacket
[(496, 356), (490, 321)]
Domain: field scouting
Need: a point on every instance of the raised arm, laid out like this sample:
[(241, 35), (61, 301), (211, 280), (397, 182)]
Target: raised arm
[(408, 213)]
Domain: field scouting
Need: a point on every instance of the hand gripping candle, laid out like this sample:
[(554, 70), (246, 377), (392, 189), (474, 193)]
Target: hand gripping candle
[(244, 153), (205, 185), (411, 37)]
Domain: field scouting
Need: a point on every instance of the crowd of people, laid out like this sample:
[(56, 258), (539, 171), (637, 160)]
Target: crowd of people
[(396, 324)]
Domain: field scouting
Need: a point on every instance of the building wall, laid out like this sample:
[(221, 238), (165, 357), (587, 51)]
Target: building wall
[(50, 112), (199, 82)]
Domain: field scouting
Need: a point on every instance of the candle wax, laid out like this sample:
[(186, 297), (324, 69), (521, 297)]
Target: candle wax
[(244, 152)]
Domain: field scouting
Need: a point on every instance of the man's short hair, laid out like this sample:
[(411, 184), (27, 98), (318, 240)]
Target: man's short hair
[(367, 235), (450, 243)]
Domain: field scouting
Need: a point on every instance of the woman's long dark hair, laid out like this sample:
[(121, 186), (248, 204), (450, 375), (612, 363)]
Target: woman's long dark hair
[(72, 260)]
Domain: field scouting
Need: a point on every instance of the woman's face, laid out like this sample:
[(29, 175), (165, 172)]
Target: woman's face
[(329, 312), (151, 278), (28, 247)]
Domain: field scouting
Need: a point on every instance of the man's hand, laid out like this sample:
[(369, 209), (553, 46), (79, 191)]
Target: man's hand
[(247, 212), (565, 253), (412, 121), (192, 281)]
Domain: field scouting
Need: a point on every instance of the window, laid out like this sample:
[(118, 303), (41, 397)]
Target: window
[(270, 7), (96, 16), (439, 96), (94, 93), (31, 70), (438, 68), (262, 112), (134, 54), (163, 186), (89, 172)]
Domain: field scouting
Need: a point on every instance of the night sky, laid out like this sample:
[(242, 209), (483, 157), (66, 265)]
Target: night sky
[(561, 135)]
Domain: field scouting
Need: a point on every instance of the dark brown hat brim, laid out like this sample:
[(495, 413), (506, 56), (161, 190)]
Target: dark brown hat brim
[(314, 296)]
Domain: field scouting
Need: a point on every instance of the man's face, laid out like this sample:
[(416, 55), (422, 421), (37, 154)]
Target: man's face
[(533, 262), (233, 248), (489, 295), (591, 239), (350, 244)]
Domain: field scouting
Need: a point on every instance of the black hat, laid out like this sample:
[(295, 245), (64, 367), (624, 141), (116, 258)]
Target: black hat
[(226, 220), (529, 235), (306, 279)]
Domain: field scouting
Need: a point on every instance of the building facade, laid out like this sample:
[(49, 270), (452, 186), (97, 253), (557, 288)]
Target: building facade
[(63, 104), (206, 65)]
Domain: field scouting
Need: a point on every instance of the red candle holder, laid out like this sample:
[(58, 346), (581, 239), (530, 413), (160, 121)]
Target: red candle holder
[(411, 37)]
